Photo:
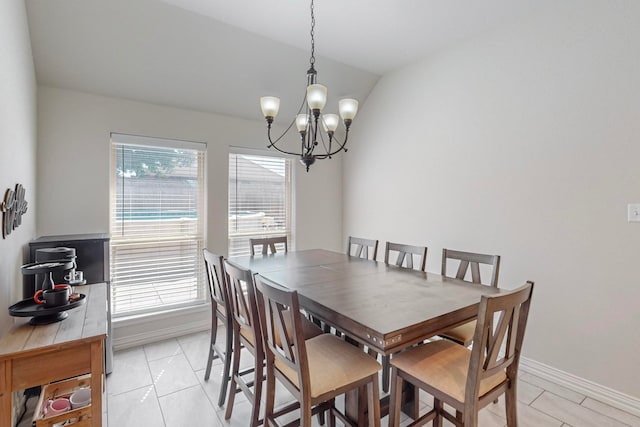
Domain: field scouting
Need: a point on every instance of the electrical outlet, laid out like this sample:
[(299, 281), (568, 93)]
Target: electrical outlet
[(633, 214)]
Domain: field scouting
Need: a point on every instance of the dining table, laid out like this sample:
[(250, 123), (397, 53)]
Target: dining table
[(381, 306)]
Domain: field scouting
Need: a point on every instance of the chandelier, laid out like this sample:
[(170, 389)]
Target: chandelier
[(310, 117)]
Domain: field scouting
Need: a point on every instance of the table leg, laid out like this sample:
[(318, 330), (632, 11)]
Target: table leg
[(410, 400), (356, 404), (6, 394)]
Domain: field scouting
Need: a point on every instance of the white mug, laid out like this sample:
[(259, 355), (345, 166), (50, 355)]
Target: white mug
[(74, 276), (80, 398)]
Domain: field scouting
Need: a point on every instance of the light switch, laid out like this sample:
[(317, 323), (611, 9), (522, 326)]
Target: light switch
[(634, 212)]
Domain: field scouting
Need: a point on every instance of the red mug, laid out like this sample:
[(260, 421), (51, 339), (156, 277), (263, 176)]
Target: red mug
[(59, 295)]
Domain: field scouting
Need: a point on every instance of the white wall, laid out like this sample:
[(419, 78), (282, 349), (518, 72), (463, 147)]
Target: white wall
[(524, 143), (17, 145), (73, 165), (73, 177)]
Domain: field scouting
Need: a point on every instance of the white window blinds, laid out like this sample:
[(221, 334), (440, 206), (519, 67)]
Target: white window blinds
[(157, 224), (259, 200)]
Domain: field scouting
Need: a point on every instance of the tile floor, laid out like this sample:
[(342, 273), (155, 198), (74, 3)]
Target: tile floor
[(162, 384)]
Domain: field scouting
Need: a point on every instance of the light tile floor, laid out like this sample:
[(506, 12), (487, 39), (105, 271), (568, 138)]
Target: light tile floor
[(162, 384)]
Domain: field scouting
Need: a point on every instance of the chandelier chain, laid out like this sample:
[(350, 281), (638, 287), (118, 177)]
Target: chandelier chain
[(312, 60)]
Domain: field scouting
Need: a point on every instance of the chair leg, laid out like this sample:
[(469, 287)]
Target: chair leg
[(373, 396), (257, 387), (471, 415), (271, 394), (234, 374), (395, 399), (511, 404), (228, 353), (212, 343), (385, 373), (437, 406), (332, 418), (331, 414), (305, 413)]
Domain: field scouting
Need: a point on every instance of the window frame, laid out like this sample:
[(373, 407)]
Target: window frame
[(199, 238), (289, 204)]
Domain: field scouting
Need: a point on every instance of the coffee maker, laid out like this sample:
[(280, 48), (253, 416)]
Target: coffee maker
[(90, 254), (71, 276)]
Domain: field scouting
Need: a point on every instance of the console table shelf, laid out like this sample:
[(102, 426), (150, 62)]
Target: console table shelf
[(37, 355)]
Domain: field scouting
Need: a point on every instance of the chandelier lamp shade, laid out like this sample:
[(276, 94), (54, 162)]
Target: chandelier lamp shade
[(316, 130)]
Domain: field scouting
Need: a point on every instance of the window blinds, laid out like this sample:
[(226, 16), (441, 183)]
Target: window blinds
[(157, 224), (259, 199)]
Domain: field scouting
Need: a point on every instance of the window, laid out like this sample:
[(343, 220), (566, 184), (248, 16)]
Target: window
[(259, 200), (157, 224)]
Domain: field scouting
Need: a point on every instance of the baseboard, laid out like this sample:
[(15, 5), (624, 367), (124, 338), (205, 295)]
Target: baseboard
[(598, 392), (159, 335), (140, 331)]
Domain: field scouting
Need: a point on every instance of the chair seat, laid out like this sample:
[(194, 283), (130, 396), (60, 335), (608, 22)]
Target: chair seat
[(333, 363), (462, 334), (443, 365), (309, 330)]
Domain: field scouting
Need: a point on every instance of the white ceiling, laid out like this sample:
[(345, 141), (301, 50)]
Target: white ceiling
[(221, 55)]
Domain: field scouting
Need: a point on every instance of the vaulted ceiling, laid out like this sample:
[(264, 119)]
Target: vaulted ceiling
[(220, 56)]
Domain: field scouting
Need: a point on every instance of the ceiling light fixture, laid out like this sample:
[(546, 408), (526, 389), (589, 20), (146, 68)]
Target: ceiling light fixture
[(308, 122)]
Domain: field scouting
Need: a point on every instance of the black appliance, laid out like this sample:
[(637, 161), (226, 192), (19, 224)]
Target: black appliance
[(91, 257)]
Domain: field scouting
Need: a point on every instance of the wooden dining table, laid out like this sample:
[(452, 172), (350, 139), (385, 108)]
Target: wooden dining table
[(381, 306)]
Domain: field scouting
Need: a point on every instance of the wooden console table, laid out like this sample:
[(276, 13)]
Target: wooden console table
[(37, 355)]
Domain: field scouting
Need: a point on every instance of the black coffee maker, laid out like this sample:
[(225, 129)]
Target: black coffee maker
[(71, 276)]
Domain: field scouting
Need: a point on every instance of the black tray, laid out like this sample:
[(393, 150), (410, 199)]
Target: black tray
[(42, 315), (46, 266)]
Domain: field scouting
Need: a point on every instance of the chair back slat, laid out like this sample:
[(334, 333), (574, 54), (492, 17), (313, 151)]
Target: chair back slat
[(512, 310), (401, 258), (278, 312), (406, 255), (268, 243), (216, 277), (475, 273), (275, 304), (470, 261), (242, 299), (462, 270), (495, 340), (362, 247)]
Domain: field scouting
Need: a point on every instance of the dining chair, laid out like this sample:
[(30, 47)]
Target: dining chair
[(404, 259), (316, 370), (469, 265), (217, 280), (247, 333), (268, 243), (468, 379), (359, 247), (406, 254)]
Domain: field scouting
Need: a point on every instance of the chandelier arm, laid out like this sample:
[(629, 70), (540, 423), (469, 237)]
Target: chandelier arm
[(341, 145), (324, 144), (273, 143)]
